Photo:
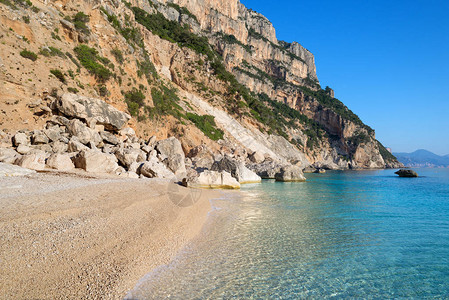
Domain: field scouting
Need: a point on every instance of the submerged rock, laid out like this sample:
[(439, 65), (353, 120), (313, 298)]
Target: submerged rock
[(406, 173)]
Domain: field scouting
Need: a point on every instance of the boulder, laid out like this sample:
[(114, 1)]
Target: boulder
[(96, 161), (171, 153), (39, 137), (8, 155), (82, 107), (201, 157), (75, 146), (34, 161), (24, 149), (267, 170), (128, 131), (7, 170), (128, 156), (211, 180), (290, 174), (257, 157), (154, 169), (60, 147), (109, 137), (237, 170), (406, 173), (83, 133), (61, 162), (53, 133), (21, 138)]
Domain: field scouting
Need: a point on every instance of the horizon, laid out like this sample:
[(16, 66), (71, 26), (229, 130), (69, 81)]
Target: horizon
[(385, 61)]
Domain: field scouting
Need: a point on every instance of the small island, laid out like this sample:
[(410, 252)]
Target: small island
[(406, 173)]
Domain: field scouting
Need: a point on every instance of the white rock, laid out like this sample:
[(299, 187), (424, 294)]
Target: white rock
[(12, 170), (61, 162), (21, 138), (35, 161), (8, 155), (23, 149), (154, 169), (211, 180), (96, 162)]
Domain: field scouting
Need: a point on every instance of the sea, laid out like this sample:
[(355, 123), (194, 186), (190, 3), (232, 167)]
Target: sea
[(342, 234)]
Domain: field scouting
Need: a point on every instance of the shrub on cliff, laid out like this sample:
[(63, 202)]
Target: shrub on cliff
[(58, 74), (93, 62), (29, 54), (207, 125)]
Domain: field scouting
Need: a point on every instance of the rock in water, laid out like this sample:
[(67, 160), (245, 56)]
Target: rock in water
[(211, 180), (81, 107), (290, 174), (406, 173)]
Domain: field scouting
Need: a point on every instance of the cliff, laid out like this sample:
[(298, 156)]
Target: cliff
[(206, 71)]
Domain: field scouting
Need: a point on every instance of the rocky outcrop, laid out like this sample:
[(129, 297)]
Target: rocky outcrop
[(290, 174), (171, 153), (211, 180), (237, 170), (90, 109), (406, 173)]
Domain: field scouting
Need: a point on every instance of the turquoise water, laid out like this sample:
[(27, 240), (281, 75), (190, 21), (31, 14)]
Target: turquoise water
[(353, 234)]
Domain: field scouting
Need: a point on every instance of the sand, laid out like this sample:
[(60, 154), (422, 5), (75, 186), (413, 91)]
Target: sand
[(73, 237)]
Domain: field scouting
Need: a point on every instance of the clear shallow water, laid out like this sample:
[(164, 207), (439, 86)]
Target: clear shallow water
[(363, 234)]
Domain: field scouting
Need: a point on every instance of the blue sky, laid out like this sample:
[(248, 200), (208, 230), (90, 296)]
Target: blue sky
[(388, 61)]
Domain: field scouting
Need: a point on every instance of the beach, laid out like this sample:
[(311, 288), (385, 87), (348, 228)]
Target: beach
[(76, 236)]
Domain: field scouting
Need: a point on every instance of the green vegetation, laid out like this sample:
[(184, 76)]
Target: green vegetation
[(358, 138), (207, 125), (93, 62), (103, 91), (118, 55), (172, 31), (26, 19), (52, 51), (22, 3), (386, 155), (28, 54), (135, 100), (131, 34), (182, 10), (231, 39), (146, 68), (80, 21), (72, 90), (335, 105), (58, 74), (165, 102)]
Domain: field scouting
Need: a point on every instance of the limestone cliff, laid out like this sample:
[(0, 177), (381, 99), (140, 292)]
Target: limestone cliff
[(207, 71)]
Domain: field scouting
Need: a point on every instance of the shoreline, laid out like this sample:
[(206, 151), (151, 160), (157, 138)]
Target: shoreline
[(67, 236)]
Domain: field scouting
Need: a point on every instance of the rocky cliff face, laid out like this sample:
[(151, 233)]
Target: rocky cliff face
[(206, 71)]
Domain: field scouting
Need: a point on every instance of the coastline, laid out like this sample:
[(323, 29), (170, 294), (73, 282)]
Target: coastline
[(73, 236)]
